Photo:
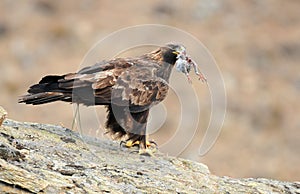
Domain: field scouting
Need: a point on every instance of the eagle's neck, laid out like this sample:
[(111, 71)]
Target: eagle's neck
[(166, 60), (164, 71)]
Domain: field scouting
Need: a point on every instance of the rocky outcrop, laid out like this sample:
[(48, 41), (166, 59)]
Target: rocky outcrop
[(40, 158)]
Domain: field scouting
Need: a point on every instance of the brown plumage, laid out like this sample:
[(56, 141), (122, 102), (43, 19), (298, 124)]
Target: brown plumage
[(128, 87)]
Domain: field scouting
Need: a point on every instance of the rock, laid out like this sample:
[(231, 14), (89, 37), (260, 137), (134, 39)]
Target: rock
[(40, 158), (3, 114)]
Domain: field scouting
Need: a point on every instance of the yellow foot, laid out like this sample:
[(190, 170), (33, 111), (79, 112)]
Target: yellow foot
[(130, 143)]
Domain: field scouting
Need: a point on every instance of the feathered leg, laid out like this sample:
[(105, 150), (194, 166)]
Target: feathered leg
[(112, 124), (121, 122)]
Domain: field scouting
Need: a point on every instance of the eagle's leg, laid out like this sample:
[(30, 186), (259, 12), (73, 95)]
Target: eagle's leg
[(134, 127), (137, 134), (113, 126)]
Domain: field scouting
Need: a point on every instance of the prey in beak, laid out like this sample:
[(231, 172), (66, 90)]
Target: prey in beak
[(184, 63)]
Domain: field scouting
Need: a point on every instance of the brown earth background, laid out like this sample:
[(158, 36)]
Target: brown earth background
[(256, 44)]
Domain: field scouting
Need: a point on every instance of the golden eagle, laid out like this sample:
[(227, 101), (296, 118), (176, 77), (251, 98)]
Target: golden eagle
[(128, 87)]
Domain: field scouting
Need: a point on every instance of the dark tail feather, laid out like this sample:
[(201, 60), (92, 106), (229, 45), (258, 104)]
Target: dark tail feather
[(47, 90), (41, 98), (47, 84)]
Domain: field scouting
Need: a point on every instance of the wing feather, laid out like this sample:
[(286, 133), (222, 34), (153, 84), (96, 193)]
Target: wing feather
[(139, 88), (97, 80)]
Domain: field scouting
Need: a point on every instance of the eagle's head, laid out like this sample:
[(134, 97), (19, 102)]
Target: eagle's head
[(175, 55), (177, 48), (171, 51)]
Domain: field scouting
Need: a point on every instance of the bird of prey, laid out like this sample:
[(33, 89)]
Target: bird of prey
[(127, 87)]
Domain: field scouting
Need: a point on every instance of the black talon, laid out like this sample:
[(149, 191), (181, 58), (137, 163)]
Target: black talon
[(153, 142), (122, 142)]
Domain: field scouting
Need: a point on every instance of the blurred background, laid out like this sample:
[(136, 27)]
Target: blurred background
[(256, 44)]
